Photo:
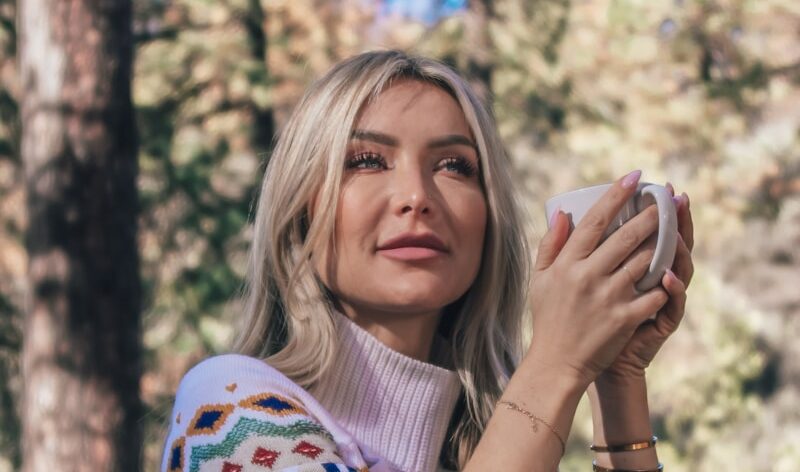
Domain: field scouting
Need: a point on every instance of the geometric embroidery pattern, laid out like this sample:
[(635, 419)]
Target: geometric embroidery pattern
[(334, 468), (209, 419), (176, 454), (247, 427), (272, 404), (307, 449), (228, 467), (265, 457)]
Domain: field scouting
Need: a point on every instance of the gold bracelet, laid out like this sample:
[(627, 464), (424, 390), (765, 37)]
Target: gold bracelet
[(535, 420), (598, 468), (626, 447)]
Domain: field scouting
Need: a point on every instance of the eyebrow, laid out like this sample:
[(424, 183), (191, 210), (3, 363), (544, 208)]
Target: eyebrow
[(388, 140)]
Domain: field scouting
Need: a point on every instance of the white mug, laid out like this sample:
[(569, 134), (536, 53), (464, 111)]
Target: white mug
[(576, 204)]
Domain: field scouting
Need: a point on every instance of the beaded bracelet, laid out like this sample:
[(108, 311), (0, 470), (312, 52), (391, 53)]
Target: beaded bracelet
[(598, 468), (626, 447)]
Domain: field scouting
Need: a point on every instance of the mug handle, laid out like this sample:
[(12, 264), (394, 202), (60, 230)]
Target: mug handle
[(667, 236)]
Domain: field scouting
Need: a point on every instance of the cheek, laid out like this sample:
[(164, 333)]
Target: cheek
[(356, 219), (470, 212), (357, 216)]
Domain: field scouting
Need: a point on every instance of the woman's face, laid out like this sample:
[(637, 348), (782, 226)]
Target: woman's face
[(412, 214)]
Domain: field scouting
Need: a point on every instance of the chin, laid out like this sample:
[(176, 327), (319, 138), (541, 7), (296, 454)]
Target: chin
[(422, 297)]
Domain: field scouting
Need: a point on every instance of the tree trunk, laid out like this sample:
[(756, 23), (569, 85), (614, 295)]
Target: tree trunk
[(81, 353), (264, 120)]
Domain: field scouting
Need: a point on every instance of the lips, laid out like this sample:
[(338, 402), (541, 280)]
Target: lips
[(428, 240), (409, 246)]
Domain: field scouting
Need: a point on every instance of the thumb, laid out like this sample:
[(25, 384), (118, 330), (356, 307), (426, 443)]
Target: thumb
[(552, 242)]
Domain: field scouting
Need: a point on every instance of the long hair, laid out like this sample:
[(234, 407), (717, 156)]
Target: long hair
[(288, 317)]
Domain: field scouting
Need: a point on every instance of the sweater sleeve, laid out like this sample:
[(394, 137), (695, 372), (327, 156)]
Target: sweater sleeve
[(234, 413)]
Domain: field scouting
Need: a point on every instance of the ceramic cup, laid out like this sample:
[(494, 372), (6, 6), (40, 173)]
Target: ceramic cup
[(577, 203)]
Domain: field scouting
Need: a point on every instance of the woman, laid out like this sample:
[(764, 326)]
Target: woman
[(386, 300)]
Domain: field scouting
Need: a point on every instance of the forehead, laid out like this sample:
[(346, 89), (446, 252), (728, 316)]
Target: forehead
[(414, 106)]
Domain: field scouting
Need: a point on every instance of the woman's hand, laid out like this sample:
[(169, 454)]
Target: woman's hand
[(585, 306), (651, 335), (618, 397)]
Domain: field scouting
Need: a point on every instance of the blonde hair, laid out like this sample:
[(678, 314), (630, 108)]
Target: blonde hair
[(288, 316)]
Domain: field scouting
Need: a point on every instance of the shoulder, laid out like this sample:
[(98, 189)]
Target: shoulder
[(232, 377), (232, 410), (232, 367)]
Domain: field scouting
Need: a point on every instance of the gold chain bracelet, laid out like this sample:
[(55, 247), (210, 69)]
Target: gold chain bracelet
[(535, 420)]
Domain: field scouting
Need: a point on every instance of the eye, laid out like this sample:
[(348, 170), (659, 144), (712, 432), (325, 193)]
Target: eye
[(366, 160), (458, 164)]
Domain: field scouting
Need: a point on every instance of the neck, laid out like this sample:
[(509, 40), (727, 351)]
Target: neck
[(394, 405), (410, 334)]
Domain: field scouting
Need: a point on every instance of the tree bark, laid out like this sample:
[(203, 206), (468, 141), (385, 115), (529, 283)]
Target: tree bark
[(263, 119), (82, 351)]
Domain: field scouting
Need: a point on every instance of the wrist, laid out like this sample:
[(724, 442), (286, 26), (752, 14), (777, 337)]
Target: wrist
[(532, 418), (547, 392), (569, 379), (620, 415), (620, 411), (618, 384)]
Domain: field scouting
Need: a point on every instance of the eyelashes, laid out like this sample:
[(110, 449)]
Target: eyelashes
[(366, 160), (459, 164), (374, 161)]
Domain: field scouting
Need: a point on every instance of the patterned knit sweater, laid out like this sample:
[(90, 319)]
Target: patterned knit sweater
[(375, 410)]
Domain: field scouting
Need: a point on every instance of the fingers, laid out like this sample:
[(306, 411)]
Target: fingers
[(671, 315), (633, 268), (594, 224), (621, 244), (683, 267), (685, 223), (552, 242), (648, 303)]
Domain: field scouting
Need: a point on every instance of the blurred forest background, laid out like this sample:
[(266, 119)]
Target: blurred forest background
[(702, 93)]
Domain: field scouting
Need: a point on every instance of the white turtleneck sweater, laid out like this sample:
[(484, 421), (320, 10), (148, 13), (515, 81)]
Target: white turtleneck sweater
[(375, 409)]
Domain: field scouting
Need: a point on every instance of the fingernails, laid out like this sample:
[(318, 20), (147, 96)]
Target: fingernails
[(631, 179), (670, 188), (685, 199), (677, 201), (554, 217), (673, 278)]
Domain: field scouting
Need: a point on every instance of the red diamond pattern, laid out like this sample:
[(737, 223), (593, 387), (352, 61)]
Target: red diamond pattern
[(307, 449), (265, 457), (231, 467)]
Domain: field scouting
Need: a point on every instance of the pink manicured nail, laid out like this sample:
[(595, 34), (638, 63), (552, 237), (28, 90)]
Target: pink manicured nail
[(677, 201), (631, 179), (554, 217), (670, 188), (685, 198)]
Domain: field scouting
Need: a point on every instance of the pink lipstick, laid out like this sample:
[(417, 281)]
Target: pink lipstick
[(413, 247)]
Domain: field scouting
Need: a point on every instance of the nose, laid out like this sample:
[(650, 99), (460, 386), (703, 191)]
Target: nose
[(412, 192)]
